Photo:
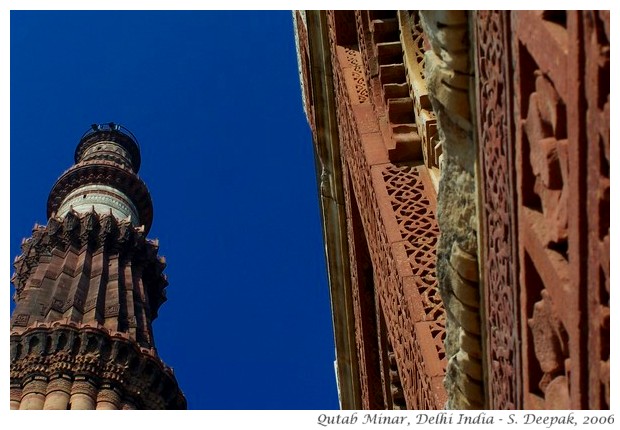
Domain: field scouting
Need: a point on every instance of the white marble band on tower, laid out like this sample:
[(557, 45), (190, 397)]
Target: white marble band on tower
[(102, 198)]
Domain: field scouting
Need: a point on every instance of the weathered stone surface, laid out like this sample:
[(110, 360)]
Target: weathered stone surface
[(462, 385), (464, 402), (464, 263), (467, 316), (450, 17), (447, 89), (447, 71), (470, 344), (470, 365), (464, 291)]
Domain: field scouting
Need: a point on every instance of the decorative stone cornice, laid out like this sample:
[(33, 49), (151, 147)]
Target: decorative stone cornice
[(105, 358), (92, 231)]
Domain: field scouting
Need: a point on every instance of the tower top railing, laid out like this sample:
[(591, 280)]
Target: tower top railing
[(111, 127)]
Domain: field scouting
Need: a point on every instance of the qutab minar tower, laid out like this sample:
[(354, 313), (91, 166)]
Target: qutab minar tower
[(88, 287)]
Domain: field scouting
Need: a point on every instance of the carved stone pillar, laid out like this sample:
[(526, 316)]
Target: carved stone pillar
[(16, 395), (33, 394), (58, 393), (83, 394), (108, 398)]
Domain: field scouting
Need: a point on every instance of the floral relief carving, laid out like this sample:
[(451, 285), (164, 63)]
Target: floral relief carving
[(493, 103)]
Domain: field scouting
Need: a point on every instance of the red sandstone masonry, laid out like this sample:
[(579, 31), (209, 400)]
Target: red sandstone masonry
[(541, 177), (414, 347)]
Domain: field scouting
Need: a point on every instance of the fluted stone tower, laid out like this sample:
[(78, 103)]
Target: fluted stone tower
[(88, 287)]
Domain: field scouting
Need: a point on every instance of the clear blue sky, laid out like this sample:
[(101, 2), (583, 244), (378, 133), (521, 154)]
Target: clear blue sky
[(214, 100)]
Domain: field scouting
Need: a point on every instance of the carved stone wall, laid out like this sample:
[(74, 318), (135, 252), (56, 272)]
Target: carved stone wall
[(475, 152), (365, 306), (545, 221)]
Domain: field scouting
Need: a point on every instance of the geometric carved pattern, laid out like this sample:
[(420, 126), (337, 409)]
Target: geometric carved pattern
[(361, 89), (418, 227), (498, 210), (417, 34), (413, 332)]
